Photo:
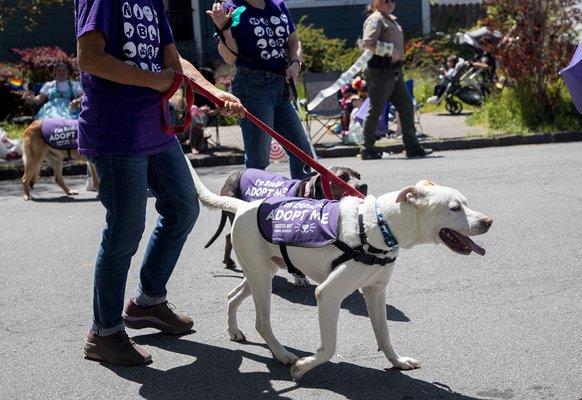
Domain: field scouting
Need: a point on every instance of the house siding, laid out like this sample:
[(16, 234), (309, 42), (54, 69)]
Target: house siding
[(55, 27)]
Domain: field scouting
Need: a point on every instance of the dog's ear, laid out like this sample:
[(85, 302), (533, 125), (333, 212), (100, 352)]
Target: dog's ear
[(410, 194), (316, 188), (426, 182)]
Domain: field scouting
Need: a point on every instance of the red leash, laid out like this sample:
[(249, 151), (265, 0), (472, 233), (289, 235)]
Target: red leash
[(327, 178)]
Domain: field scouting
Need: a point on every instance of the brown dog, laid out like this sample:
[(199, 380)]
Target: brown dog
[(36, 149), (241, 186)]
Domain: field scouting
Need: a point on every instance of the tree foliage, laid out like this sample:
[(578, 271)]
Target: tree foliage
[(539, 40), (30, 9)]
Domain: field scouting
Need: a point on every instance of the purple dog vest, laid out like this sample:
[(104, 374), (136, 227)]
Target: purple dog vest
[(298, 221), (60, 133), (256, 184)]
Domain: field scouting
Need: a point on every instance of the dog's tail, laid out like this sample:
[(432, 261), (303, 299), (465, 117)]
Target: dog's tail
[(213, 200), (223, 218)]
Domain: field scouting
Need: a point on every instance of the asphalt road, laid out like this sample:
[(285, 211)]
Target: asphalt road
[(504, 326)]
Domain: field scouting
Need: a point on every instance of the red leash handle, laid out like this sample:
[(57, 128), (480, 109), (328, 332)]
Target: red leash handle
[(327, 178), (177, 129)]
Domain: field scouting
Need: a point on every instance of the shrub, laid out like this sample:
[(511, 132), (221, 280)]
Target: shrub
[(539, 40), (321, 53), (514, 110), (430, 53), (8, 71), (37, 63)]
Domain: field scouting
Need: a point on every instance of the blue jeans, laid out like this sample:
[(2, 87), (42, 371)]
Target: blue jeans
[(266, 95), (125, 180)]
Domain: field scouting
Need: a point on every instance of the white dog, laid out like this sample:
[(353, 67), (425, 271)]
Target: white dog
[(422, 214)]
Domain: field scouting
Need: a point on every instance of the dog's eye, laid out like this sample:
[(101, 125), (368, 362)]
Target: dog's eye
[(456, 207), (344, 177)]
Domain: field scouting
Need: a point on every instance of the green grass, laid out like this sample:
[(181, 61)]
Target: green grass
[(13, 131), (506, 112)]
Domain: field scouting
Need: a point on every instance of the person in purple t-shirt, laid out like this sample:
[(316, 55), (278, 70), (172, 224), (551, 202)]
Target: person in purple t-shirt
[(127, 59), (265, 47)]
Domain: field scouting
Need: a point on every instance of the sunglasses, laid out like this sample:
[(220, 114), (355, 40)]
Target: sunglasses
[(389, 1)]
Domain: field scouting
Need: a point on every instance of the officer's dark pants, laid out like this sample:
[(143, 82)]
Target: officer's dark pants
[(388, 84)]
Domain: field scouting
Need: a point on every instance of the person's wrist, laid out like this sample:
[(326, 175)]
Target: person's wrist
[(295, 61), (225, 26)]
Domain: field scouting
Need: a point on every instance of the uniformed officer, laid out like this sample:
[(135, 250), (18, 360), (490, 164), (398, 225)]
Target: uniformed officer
[(384, 77)]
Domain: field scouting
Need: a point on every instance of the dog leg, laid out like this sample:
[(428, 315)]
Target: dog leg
[(235, 298), (260, 279), (228, 261), (57, 164), (32, 166), (375, 297), (94, 175), (330, 293)]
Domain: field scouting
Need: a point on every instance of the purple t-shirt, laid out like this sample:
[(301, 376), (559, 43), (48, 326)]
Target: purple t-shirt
[(116, 118), (262, 35), (298, 221), (256, 184)]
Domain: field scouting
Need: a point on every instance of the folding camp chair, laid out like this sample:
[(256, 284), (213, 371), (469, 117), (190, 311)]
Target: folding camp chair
[(391, 114), (417, 106), (328, 112)]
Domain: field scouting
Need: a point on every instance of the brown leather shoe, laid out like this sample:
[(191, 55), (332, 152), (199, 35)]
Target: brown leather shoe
[(116, 349), (161, 316)]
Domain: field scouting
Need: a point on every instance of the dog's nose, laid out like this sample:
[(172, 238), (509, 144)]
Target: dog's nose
[(363, 188), (487, 222)]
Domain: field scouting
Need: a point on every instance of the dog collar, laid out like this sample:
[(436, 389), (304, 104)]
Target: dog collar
[(387, 235)]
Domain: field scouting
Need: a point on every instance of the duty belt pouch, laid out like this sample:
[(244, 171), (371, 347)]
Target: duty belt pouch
[(380, 62)]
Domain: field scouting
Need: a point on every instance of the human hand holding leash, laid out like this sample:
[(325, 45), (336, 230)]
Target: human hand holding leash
[(232, 106)]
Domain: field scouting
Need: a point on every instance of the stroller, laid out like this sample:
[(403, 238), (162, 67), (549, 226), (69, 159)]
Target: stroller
[(469, 83), (462, 87)]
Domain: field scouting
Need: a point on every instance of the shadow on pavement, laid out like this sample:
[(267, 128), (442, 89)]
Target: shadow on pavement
[(64, 199), (214, 374), (354, 303)]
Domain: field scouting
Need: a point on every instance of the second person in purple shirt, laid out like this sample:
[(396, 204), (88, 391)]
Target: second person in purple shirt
[(265, 48)]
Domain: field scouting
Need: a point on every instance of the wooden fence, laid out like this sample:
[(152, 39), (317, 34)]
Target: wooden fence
[(452, 17)]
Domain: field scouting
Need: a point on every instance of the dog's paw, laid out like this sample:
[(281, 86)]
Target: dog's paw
[(236, 335), (406, 363), (301, 282), (26, 198), (72, 193), (302, 366), (286, 357), (229, 264)]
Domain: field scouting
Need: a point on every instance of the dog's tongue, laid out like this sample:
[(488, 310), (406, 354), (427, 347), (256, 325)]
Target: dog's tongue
[(472, 245), (476, 248)]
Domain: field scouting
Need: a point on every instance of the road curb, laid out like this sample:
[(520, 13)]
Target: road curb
[(15, 169)]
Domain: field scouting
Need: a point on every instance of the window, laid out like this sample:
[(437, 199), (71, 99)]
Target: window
[(180, 16)]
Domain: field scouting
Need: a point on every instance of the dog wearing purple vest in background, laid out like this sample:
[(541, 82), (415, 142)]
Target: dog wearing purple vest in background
[(255, 184), (53, 140)]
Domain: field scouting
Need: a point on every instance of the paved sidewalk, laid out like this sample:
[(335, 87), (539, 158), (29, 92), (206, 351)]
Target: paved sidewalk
[(435, 125), (444, 132)]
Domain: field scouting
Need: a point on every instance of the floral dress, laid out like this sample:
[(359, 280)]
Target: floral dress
[(59, 95)]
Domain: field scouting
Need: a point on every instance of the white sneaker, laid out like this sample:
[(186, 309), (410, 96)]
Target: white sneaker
[(432, 99)]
